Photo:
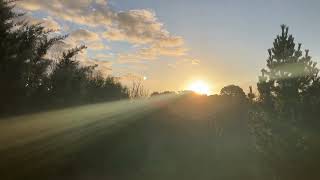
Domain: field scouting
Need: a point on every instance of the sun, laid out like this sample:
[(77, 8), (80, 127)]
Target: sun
[(199, 87)]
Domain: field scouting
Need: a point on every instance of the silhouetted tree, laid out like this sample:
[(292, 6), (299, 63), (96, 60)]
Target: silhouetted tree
[(137, 90), (156, 93), (69, 78), (115, 89), (162, 93), (251, 95), (288, 77), (30, 79), (23, 63), (232, 91), (285, 88)]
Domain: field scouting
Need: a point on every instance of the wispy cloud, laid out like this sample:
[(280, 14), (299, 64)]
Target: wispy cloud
[(47, 22), (104, 66)]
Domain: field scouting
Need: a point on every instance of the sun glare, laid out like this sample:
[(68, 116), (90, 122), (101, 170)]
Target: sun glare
[(199, 87)]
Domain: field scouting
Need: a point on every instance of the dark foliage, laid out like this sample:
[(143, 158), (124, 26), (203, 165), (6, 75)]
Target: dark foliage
[(32, 81), (233, 91), (284, 120), (162, 93)]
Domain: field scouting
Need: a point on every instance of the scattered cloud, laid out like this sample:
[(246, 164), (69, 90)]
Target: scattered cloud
[(101, 2), (83, 34), (103, 66), (139, 27), (152, 53), (103, 56), (98, 45), (86, 12), (172, 65), (143, 27), (91, 39), (47, 22), (186, 61), (131, 77), (195, 61)]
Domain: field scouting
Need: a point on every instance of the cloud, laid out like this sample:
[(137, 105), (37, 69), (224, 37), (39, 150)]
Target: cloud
[(171, 65), (152, 53), (184, 61), (139, 27), (143, 27), (131, 77), (98, 45), (103, 64), (48, 22), (190, 60), (104, 67), (91, 39), (83, 34), (86, 12), (195, 62), (103, 56), (101, 2)]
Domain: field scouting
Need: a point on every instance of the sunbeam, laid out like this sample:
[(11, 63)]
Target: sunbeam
[(62, 132)]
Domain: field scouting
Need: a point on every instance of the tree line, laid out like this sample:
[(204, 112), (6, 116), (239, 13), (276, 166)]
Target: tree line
[(31, 80)]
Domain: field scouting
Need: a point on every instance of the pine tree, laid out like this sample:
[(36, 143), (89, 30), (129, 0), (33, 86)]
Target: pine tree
[(285, 89), (288, 75), (68, 78), (23, 65)]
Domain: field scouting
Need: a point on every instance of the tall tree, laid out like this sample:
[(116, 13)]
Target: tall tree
[(30, 79), (288, 76), (69, 78), (279, 125), (23, 64)]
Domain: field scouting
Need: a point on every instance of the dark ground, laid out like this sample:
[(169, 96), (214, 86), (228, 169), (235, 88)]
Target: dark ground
[(169, 143)]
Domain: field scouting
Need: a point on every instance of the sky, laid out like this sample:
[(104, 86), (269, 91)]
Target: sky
[(172, 43)]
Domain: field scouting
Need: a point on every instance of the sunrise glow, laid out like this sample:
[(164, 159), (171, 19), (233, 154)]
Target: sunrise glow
[(199, 87)]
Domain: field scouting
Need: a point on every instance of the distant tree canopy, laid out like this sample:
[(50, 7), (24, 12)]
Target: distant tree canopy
[(30, 79), (232, 91), (162, 93)]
